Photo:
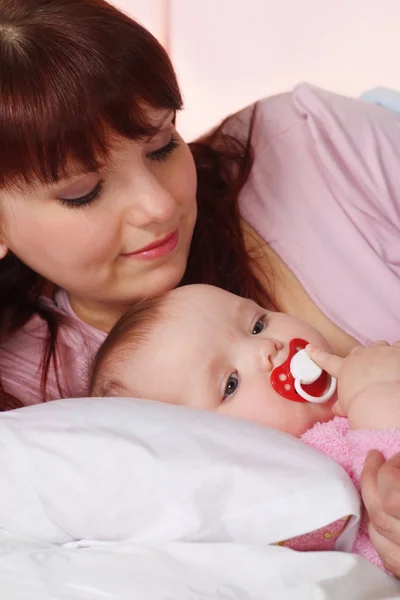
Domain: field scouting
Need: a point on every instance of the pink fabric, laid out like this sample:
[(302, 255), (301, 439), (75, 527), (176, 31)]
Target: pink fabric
[(324, 192), (349, 448), (21, 356)]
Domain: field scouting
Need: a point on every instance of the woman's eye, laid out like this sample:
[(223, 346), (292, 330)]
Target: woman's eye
[(83, 201), (231, 385), (162, 153), (258, 327)]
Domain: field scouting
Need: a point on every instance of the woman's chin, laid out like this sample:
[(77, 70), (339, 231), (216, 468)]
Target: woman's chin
[(159, 281)]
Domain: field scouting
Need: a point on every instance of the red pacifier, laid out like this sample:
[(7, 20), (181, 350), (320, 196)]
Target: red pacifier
[(300, 379)]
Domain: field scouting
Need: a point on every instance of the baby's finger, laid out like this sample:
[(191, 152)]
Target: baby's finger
[(328, 362), (338, 410)]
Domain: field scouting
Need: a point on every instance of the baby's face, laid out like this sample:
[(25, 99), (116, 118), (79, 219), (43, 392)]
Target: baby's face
[(216, 351)]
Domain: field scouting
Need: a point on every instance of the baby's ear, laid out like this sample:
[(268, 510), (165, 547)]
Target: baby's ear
[(3, 249)]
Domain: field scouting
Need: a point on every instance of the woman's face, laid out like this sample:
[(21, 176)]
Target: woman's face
[(89, 234)]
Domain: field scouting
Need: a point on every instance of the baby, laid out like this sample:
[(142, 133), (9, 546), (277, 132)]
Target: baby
[(204, 348)]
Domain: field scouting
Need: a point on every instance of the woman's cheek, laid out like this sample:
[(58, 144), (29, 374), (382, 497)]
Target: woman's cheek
[(183, 182), (99, 242)]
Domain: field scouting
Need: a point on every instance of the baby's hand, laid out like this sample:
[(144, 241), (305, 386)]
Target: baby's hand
[(368, 383)]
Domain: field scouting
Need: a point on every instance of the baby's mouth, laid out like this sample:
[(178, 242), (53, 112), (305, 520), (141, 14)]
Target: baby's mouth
[(283, 381)]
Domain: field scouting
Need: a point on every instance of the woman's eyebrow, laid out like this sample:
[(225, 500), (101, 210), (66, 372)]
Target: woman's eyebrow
[(75, 177), (170, 117), (70, 180), (164, 121)]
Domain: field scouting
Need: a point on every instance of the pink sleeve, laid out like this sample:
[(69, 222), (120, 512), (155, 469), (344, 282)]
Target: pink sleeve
[(21, 358), (324, 193), (361, 139)]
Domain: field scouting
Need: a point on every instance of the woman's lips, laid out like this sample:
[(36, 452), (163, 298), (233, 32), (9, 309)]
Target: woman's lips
[(157, 249)]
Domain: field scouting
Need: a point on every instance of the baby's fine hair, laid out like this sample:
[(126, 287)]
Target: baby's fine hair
[(125, 339)]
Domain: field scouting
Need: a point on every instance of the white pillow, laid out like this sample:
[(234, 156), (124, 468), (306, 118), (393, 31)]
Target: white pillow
[(122, 469)]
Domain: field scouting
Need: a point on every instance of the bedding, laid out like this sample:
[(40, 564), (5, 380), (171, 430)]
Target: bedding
[(111, 470), (384, 97), (32, 570), (99, 498)]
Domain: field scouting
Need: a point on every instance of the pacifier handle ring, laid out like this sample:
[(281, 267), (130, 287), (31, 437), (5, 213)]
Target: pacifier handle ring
[(316, 399)]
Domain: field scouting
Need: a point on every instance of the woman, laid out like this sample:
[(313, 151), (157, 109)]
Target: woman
[(99, 206)]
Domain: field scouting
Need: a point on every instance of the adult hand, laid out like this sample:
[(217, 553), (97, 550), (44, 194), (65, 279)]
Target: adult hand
[(380, 489)]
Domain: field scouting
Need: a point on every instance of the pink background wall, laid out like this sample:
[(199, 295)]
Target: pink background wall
[(230, 52), (151, 13)]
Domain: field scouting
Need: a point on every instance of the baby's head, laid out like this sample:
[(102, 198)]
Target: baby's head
[(202, 347)]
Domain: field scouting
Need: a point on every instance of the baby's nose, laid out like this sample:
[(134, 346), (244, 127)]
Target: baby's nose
[(268, 351)]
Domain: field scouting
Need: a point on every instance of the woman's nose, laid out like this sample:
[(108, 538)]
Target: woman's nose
[(151, 203)]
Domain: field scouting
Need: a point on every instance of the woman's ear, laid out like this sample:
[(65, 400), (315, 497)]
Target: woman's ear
[(3, 249)]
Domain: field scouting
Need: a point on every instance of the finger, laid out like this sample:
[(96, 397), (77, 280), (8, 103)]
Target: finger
[(396, 345), (388, 551), (369, 481), (378, 480), (380, 490), (380, 343), (356, 350), (394, 461), (338, 410), (328, 362), (388, 483)]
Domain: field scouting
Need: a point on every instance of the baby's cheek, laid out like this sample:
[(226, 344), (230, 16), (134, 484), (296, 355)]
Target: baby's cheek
[(261, 404), (310, 415), (250, 405), (296, 418), (264, 407)]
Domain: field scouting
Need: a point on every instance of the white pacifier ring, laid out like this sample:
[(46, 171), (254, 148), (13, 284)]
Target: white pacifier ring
[(306, 371)]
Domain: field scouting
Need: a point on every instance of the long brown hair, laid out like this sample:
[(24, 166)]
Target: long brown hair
[(71, 72)]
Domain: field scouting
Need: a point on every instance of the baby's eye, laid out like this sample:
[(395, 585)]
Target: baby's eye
[(258, 327), (231, 385)]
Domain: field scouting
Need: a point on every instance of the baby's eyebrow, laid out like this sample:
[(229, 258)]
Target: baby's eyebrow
[(215, 366), (214, 371), (246, 308)]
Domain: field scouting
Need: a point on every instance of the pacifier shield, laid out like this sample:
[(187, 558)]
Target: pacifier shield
[(282, 379)]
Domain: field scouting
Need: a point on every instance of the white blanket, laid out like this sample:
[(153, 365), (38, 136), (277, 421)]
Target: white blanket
[(140, 480), (178, 571)]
